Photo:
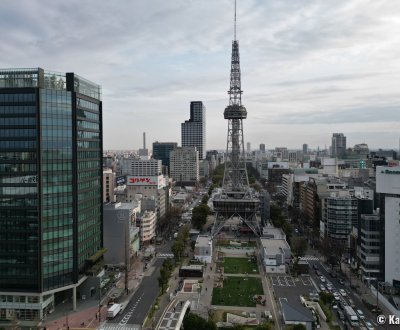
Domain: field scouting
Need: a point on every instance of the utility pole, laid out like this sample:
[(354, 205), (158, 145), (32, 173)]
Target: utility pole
[(127, 253)]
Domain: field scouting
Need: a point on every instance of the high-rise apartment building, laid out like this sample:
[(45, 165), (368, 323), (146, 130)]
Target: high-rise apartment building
[(162, 150), (262, 147), (193, 131), (50, 188), (185, 165), (338, 147), (305, 149), (109, 183)]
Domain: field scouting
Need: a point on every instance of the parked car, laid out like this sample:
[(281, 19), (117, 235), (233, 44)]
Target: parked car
[(369, 325), (322, 278), (315, 266), (340, 314), (322, 287), (342, 292), (318, 272), (340, 281), (351, 303), (360, 314)]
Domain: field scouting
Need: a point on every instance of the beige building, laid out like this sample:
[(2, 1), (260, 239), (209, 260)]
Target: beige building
[(184, 164), (147, 221)]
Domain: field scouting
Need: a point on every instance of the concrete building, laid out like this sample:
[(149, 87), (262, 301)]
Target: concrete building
[(141, 167), (147, 221), (109, 180), (388, 184), (262, 147), (204, 168), (338, 147), (371, 247), (185, 166), (193, 131), (148, 187), (203, 249), (340, 215), (51, 190), (275, 251), (121, 236)]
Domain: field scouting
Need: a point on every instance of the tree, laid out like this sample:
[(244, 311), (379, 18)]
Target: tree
[(177, 249), (265, 326), (204, 200), (298, 246), (199, 216), (326, 297), (195, 322)]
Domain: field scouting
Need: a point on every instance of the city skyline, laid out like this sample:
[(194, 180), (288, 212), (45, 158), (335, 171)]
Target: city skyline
[(309, 70)]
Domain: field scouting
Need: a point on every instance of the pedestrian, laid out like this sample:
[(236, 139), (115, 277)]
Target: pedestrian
[(206, 288), (96, 316)]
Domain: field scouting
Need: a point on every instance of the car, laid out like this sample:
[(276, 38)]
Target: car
[(351, 303), (315, 266), (369, 325), (340, 281), (334, 306), (340, 314), (322, 287), (342, 304), (318, 273), (337, 297), (342, 292), (322, 278), (360, 314), (333, 274)]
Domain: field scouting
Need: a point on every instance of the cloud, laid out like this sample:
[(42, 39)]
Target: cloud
[(302, 62)]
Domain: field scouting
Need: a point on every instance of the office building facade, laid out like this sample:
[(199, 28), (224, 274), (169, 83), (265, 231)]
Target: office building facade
[(141, 167), (162, 150), (50, 188), (193, 131)]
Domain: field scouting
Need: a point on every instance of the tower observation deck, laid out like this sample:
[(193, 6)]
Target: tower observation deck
[(236, 200)]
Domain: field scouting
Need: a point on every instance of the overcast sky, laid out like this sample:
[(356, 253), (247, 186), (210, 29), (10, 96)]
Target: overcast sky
[(309, 68)]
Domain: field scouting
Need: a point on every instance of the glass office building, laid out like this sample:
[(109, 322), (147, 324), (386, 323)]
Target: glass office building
[(50, 188)]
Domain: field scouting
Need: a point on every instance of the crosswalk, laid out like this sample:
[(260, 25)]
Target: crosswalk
[(165, 255), (309, 258), (111, 326)]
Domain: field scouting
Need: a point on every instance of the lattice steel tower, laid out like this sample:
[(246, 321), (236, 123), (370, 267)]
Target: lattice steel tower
[(236, 199)]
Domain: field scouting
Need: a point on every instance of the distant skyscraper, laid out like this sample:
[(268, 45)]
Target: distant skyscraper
[(338, 148), (305, 149), (193, 131), (162, 150), (248, 147), (262, 147), (51, 188)]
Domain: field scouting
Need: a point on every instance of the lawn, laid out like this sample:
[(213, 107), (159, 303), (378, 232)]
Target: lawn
[(238, 291), (240, 266)]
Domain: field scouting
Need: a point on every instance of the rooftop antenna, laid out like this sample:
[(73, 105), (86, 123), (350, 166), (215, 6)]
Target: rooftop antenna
[(235, 23)]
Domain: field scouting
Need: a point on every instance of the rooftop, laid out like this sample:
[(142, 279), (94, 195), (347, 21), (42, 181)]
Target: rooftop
[(203, 240), (274, 246)]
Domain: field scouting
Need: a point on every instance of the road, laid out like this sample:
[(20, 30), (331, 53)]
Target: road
[(142, 300), (349, 293)]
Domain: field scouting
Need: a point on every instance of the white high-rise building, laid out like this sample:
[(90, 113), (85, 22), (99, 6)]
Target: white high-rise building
[(184, 164), (388, 183), (193, 131)]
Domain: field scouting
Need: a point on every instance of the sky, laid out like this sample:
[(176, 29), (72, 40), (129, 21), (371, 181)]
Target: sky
[(309, 68)]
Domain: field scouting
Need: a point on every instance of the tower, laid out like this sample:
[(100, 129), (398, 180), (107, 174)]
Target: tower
[(236, 200)]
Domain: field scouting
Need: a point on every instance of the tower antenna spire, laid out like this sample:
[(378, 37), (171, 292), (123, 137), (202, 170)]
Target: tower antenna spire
[(234, 26)]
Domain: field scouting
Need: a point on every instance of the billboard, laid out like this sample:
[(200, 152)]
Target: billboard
[(142, 180), (121, 180), (388, 180)]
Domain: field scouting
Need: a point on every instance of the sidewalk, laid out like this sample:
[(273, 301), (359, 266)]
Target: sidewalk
[(86, 315)]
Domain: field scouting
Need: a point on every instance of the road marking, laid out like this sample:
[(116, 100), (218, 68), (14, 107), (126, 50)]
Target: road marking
[(165, 255), (128, 315)]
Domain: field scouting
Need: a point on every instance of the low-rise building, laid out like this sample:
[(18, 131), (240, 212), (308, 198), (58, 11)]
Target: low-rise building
[(275, 254), (203, 249), (147, 224)]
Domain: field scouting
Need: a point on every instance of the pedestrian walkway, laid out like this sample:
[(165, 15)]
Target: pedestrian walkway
[(120, 327), (165, 255), (309, 258)]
